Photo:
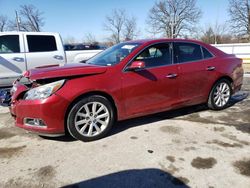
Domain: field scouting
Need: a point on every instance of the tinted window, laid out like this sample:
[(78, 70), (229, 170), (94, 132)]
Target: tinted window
[(156, 55), (39, 43), (206, 53), (9, 44), (186, 52)]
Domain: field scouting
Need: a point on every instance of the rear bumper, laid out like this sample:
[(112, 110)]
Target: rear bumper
[(237, 76), (51, 111)]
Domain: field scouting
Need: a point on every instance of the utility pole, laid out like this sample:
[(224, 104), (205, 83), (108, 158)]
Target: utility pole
[(18, 21), (173, 27)]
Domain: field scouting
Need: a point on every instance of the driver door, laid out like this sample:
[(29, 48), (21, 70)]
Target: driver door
[(154, 88)]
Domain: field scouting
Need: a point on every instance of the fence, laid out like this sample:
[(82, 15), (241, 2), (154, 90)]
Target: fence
[(241, 50)]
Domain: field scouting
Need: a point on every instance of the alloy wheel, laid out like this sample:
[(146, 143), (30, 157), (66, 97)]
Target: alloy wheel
[(222, 94), (92, 119)]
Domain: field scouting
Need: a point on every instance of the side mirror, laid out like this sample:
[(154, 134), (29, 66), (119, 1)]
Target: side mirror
[(136, 65)]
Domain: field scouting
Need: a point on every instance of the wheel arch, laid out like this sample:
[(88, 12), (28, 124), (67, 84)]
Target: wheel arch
[(217, 80), (227, 78), (99, 93)]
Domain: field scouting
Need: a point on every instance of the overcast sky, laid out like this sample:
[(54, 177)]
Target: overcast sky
[(76, 18)]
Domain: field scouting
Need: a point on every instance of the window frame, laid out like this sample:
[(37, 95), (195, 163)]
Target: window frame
[(171, 56), (202, 56), (28, 46), (213, 56), (201, 46), (19, 42)]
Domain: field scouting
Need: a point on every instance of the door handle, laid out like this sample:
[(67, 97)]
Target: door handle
[(58, 57), (210, 68), (171, 76), (18, 59)]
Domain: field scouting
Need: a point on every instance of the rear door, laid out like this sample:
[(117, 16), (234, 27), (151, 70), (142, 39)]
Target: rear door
[(43, 49), (12, 58), (193, 75), (154, 88)]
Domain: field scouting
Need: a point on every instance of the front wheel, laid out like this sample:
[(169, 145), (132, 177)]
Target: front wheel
[(90, 118), (220, 95)]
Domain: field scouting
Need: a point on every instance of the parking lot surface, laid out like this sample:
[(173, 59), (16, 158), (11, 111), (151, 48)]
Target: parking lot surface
[(191, 147)]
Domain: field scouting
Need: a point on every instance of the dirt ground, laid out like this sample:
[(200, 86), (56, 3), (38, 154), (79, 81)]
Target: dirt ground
[(191, 147)]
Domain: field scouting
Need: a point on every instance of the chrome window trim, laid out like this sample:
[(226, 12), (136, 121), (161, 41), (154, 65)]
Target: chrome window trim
[(172, 55)]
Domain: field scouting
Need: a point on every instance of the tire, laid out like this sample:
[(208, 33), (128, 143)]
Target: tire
[(91, 118), (220, 95)]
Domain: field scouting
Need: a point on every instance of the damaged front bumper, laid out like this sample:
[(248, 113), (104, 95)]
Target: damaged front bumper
[(6, 94), (41, 116)]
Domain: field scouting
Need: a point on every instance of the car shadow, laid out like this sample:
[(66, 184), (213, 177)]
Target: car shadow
[(65, 138), (143, 178), (140, 121), (238, 97), (126, 124)]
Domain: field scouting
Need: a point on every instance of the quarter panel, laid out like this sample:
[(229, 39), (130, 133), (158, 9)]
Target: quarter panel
[(193, 81)]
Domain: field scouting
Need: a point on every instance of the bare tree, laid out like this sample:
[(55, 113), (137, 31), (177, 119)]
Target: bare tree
[(173, 18), (216, 34), (121, 26), (69, 40), (89, 38), (220, 30), (31, 18), (3, 23), (114, 23), (130, 29), (208, 36), (239, 11)]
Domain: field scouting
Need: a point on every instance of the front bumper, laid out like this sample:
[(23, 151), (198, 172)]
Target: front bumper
[(51, 111)]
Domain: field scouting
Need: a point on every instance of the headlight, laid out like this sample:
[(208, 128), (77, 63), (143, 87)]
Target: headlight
[(43, 92)]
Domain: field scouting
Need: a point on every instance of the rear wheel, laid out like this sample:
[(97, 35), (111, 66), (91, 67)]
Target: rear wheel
[(90, 118), (220, 95)]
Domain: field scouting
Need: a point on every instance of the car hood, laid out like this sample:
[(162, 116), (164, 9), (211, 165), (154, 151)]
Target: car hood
[(68, 70)]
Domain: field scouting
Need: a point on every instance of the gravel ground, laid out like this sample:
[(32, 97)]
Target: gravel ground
[(191, 147)]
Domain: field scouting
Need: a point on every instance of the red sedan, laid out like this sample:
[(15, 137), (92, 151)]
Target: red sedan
[(128, 80)]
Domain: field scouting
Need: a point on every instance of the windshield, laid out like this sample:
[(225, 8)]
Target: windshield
[(113, 55)]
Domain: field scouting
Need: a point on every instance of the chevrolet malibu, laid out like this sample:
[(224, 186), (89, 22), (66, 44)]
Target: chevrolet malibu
[(128, 80)]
